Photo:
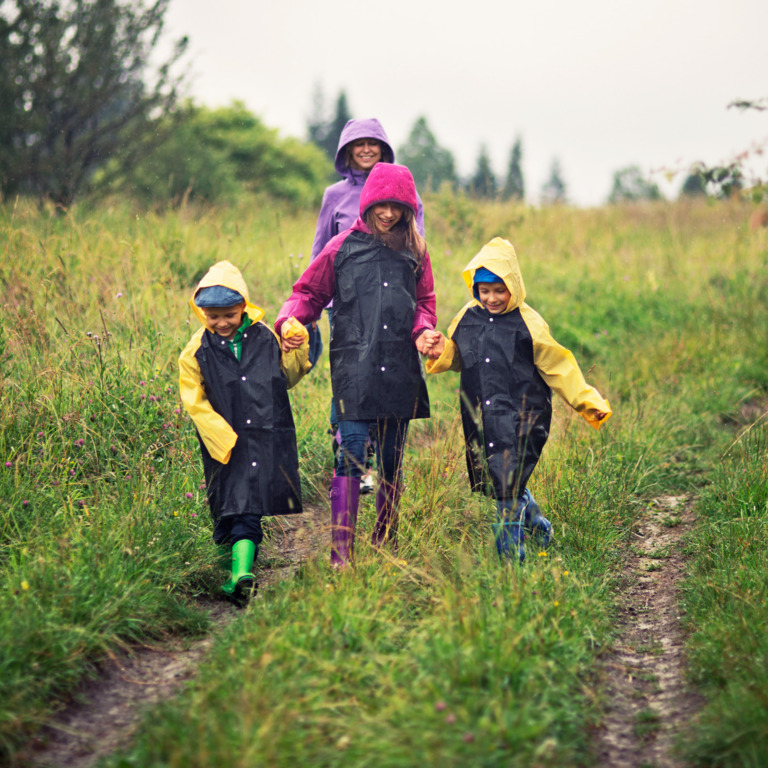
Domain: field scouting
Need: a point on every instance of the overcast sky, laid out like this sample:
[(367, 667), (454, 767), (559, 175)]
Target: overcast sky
[(597, 84)]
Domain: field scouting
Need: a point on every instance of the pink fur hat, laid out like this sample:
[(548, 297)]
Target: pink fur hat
[(389, 183)]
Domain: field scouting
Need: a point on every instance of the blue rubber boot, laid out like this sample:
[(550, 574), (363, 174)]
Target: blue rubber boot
[(509, 532), (535, 523)]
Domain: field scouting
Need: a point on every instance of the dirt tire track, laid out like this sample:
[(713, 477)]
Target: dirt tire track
[(105, 712), (649, 700)]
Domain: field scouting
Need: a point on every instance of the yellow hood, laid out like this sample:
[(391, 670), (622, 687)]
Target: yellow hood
[(226, 274), (500, 258)]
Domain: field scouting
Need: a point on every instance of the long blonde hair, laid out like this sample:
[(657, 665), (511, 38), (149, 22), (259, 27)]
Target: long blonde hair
[(404, 236)]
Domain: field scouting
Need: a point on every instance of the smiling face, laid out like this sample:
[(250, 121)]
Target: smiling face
[(364, 154), (224, 320), (386, 215), (494, 296)]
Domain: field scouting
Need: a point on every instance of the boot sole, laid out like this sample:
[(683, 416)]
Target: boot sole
[(245, 590)]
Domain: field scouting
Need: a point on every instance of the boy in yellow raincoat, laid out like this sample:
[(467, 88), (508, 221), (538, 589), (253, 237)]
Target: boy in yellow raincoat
[(509, 366), (234, 381)]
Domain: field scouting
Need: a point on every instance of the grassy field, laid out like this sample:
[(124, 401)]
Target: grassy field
[(442, 657)]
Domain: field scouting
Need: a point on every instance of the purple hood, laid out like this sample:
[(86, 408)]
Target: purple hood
[(362, 129)]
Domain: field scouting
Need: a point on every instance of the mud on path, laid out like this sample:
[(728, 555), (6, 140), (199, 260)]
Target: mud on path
[(106, 711), (649, 702)]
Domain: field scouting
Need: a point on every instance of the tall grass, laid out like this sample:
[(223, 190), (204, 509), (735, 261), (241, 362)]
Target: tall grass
[(438, 655)]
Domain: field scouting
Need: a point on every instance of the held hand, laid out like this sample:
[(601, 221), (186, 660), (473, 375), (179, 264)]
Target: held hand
[(437, 348), (289, 343), (596, 415), (426, 341)]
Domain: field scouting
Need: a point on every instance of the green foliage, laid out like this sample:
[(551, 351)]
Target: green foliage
[(693, 186), (438, 655), (234, 154), (514, 186), (630, 185), (726, 600), (76, 94), (432, 166)]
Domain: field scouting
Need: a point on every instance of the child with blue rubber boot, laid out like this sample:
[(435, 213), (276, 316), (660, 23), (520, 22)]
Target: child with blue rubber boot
[(509, 365), (234, 380)]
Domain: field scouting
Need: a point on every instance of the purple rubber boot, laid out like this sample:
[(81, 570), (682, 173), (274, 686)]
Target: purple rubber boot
[(345, 495)]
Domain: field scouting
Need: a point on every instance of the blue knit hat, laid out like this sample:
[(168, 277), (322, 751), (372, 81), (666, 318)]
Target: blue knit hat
[(217, 296), (483, 275)]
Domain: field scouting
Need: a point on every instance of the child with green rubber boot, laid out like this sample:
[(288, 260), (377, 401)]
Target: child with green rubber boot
[(234, 380), (509, 365)]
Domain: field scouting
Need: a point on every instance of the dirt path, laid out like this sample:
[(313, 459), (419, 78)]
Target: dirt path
[(649, 699), (106, 712)]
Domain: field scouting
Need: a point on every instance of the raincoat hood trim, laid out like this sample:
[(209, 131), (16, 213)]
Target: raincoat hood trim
[(499, 257), (227, 274), (369, 128), (389, 183)]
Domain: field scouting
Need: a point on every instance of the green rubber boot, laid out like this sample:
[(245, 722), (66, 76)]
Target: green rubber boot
[(242, 583)]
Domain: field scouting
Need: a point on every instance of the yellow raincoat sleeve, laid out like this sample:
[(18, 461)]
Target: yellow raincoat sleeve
[(450, 359), (558, 367), (296, 362), (214, 430)]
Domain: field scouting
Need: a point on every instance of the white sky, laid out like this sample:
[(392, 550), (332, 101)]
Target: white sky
[(597, 84)]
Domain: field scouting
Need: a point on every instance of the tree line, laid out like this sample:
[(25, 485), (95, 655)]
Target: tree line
[(85, 113)]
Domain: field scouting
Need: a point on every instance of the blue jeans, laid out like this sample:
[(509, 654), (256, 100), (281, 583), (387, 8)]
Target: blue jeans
[(390, 444)]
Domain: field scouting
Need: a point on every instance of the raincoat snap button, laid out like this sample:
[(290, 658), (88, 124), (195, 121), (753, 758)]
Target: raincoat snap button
[(487, 402), (383, 368), (386, 285), (487, 359), (385, 327), (247, 421), (490, 445), (490, 319), (253, 463), (244, 376)]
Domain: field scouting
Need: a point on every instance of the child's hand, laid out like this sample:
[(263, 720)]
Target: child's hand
[(426, 341), (290, 337), (595, 415), (438, 347)]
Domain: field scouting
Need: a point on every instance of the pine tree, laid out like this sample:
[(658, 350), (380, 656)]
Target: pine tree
[(514, 186), (431, 165), (554, 190), (483, 183), (324, 132)]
